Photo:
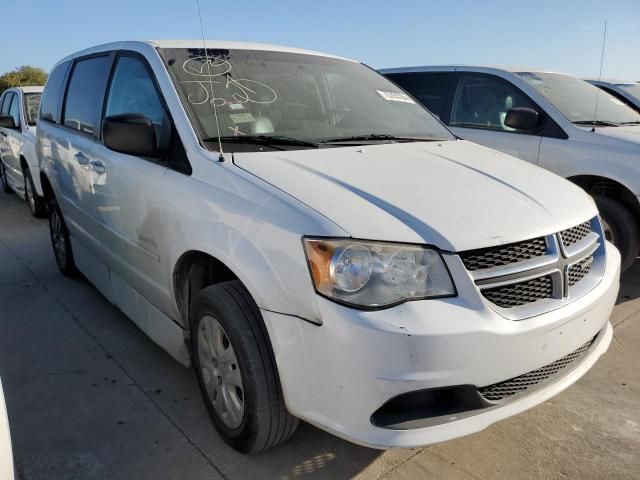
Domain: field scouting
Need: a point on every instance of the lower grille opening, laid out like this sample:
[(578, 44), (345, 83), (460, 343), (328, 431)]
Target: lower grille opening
[(499, 391), (517, 294), (424, 408)]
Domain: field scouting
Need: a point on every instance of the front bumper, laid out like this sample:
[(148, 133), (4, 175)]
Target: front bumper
[(337, 375)]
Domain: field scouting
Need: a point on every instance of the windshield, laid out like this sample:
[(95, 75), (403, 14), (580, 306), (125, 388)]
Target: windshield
[(576, 99), (297, 98), (32, 107), (632, 88)]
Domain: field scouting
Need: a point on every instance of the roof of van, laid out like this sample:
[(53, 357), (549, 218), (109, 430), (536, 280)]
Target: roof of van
[(213, 44), (31, 89), (462, 68)]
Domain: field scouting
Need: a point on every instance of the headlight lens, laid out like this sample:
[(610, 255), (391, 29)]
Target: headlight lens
[(376, 274)]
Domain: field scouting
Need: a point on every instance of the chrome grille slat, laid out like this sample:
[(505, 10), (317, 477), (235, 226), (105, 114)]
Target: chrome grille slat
[(500, 391)]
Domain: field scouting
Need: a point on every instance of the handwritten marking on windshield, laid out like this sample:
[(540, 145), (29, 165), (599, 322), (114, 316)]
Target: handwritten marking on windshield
[(240, 90)]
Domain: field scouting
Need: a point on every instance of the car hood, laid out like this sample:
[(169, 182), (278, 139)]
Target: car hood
[(630, 133), (455, 195)]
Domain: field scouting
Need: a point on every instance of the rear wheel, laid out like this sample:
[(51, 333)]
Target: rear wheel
[(620, 228), (3, 178), (36, 202), (60, 241), (236, 369)]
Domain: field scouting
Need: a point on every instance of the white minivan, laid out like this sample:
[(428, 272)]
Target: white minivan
[(19, 170), (550, 120), (316, 244)]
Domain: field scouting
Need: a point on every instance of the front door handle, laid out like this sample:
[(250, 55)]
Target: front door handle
[(97, 166), (81, 158)]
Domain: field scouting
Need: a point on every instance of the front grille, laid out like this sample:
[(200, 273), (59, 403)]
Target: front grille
[(575, 234), (502, 390), (517, 294), (578, 271), (504, 254)]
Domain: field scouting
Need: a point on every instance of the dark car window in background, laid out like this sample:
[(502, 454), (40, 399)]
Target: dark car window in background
[(50, 103), (430, 89), (31, 107), (482, 101), (14, 110), (6, 103), (83, 105)]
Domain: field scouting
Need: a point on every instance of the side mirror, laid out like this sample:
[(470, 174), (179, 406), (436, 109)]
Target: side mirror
[(523, 118), (131, 133), (7, 121)]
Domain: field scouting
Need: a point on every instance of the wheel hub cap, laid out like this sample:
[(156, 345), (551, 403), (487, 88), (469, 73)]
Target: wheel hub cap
[(220, 372)]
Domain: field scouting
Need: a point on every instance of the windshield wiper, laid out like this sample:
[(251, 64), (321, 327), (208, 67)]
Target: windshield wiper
[(597, 123), (268, 140), (630, 123), (379, 136)]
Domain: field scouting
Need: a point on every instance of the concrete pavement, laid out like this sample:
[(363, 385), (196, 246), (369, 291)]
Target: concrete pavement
[(91, 397)]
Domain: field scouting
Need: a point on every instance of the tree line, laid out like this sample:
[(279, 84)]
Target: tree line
[(22, 77)]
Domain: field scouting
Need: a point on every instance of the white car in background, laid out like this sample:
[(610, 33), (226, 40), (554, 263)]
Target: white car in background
[(317, 244), (628, 92), (19, 170), (6, 452), (546, 119)]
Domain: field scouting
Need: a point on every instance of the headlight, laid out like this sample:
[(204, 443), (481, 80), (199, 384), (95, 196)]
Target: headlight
[(376, 274)]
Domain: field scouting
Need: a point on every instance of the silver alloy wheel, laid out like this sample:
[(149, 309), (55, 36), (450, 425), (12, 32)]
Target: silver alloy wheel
[(29, 193), (608, 231), (220, 372), (57, 238)]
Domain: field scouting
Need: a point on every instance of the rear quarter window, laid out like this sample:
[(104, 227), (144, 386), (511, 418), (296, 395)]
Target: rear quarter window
[(52, 95)]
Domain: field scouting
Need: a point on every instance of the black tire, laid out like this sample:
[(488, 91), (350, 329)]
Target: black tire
[(3, 178), (58, 230), (265, 421), (36, 202), (621, 229)]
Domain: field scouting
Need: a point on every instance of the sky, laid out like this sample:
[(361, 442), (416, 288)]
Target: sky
[(558, 35)]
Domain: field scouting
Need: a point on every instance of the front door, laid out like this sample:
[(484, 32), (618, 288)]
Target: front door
[(479, 107)]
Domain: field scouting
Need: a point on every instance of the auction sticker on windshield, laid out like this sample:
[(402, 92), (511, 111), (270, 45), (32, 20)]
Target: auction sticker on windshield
[(395, 96)]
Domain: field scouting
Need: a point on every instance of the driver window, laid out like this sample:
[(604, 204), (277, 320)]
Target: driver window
[(482, 101), (133, 91)]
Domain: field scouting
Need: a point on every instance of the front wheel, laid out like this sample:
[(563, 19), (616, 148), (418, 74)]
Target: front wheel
[(620, 228), (36, 202), (236, 369), (60, 241)]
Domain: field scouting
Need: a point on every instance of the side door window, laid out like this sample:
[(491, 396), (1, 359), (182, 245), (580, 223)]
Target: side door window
[(85, 94), (482, 101), (133, 91), (6, 103), (430, 89), (14, 110)]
